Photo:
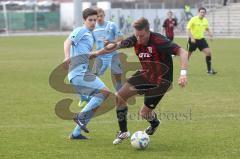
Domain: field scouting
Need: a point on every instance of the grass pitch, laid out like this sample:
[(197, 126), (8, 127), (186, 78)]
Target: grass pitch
[(199, 121)]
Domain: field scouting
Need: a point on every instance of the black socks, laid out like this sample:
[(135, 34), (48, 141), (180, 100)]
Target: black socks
[(154, 120), (122, 118), (208, 61)]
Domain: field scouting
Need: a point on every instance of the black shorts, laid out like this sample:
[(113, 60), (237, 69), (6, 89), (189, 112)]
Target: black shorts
[(200, 44), (153, 93)]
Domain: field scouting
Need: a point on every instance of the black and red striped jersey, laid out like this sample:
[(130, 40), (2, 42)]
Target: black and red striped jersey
[(155, 57), (169, 25)]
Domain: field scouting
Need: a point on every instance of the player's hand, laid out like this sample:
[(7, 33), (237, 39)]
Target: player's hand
[(66, 63), (93, 55), (182, 81), (210, 37), (193, 40), (106, 42), (111, 46)]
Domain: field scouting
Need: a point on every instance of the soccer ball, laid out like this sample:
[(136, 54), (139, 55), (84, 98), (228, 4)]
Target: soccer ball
[(140, 140)]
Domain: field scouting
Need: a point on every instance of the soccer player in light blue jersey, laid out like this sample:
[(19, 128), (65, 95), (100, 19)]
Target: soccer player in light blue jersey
[(77, 48), (104, 33), (107, 32)]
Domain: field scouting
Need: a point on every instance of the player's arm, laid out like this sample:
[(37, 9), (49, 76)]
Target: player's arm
[(189, 33), (208, 30), (67, 47), (209, 33), (182, 81), (73, 38), (170, 47), (127, 43), (177, 50), (110, 47)]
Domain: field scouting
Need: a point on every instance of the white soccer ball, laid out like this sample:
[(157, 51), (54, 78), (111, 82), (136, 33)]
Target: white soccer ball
[(140, 140)]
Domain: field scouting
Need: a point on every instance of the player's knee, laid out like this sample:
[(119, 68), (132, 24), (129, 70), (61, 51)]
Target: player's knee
[(142, 114), (121, 95), (207, 52), (121, 99)]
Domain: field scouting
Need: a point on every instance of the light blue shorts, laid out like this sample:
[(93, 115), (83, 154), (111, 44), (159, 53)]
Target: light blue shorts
[(88, 84), (112, 62)]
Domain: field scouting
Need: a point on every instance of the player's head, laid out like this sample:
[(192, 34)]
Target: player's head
[(90, 18), (141, 30), (100, 15), (202, 12), (169, 14)]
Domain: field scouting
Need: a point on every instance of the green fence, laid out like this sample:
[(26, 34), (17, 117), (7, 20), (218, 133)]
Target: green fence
[(20, 21), (2, 21)]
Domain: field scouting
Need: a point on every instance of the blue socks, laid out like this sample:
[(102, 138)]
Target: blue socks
[(87, 112), (94, 102)]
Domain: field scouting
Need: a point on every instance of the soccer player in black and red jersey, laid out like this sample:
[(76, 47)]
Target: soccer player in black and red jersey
[(153, 80), (168, 26)]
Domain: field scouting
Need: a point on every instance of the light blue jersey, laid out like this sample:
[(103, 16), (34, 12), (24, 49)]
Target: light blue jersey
[(85, 83), (82, 44), (107, 31)]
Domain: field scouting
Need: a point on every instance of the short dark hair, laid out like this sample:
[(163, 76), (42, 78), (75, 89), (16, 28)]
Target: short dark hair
[(141, 24), (202, 8), (88, 12)]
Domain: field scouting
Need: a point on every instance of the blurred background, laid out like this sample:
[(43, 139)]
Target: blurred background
[(59, 16)]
